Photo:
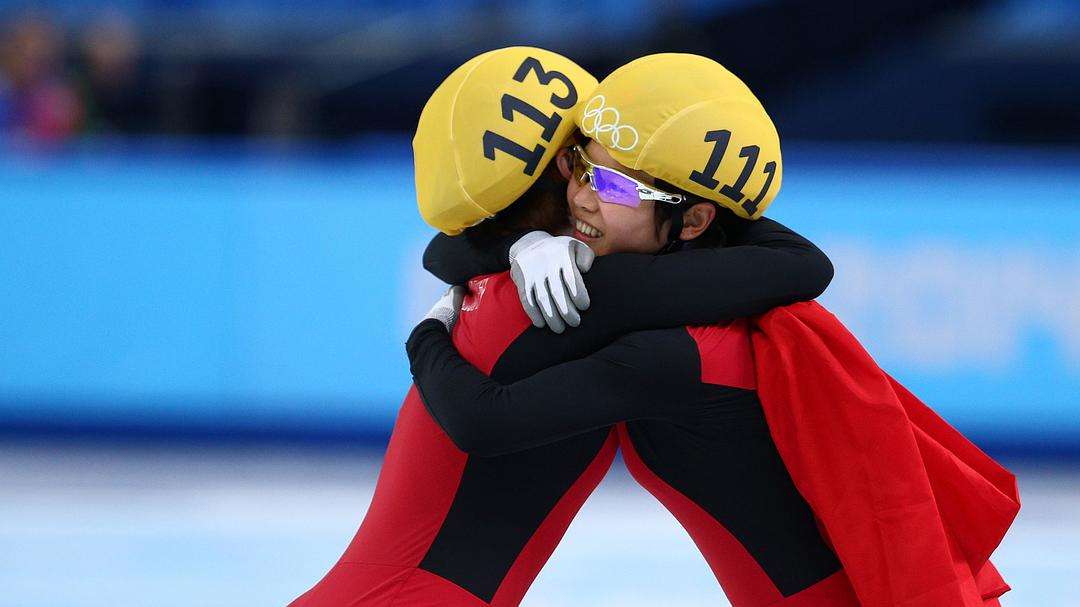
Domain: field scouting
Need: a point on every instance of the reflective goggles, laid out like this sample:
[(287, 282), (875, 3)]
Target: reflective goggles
[(615, 187)]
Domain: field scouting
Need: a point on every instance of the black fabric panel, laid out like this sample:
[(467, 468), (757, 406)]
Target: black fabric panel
[(499, 505), (726, 462), (502, 500)]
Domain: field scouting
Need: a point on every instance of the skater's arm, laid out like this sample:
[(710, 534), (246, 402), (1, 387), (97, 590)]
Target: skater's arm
[(764, 265), (644, 374), (456, 259), (768, 266)]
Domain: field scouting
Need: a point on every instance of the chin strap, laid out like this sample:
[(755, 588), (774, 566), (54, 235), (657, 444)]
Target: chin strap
[(673, 242)]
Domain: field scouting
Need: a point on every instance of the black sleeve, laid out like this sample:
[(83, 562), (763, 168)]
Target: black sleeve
[(768, 266), (649, 374), (764, 265), (456, 259)]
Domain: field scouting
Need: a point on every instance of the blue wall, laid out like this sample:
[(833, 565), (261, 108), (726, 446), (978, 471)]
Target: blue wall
[(208, 287)]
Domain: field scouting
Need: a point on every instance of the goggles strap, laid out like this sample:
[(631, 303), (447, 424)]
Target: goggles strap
[(674, 242)]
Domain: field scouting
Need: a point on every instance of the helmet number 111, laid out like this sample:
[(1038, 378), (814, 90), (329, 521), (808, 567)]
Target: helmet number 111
[(707, 176)]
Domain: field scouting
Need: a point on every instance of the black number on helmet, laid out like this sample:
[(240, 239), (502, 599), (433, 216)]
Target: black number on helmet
[(531, 158), (734, 191), (707, 176), (532, 64), (750, 206), (511, 104)]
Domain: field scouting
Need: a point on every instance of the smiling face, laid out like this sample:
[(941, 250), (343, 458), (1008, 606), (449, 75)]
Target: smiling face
[(613, 228)]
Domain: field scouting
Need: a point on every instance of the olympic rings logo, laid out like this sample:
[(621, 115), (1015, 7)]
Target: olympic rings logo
[(597, 119)]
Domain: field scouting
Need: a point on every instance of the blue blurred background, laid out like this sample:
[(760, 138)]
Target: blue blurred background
[(209, 258), (213, 289)]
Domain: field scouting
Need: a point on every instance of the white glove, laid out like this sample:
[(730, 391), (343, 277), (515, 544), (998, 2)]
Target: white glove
[(448, 307), (547, 271)]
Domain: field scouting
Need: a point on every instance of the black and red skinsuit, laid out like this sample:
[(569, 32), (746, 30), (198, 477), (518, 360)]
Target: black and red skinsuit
[(691, 428), (693, 433), (473, 526)]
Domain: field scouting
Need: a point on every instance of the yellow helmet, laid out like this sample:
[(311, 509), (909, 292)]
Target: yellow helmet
[(489, 131), (689, 121)]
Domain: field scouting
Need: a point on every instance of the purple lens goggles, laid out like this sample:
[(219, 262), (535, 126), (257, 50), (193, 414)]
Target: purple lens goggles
[(614, 187)]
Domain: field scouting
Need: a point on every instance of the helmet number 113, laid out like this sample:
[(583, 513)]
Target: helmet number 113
[(549, 123)]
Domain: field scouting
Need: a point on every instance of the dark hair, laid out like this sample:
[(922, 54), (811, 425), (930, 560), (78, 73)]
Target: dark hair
[(542, 207), (713, 236)]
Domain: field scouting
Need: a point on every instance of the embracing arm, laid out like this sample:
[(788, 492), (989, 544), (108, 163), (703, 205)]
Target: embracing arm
[(645, 374), (767, 266), (456, 259), (764, 265)]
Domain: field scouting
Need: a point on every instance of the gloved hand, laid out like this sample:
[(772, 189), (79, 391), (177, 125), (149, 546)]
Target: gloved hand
[(547, 271), (448, 307)]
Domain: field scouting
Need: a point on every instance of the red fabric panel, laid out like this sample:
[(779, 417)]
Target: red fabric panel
[(904, 500), (727, 356), (484, 332), (990, 583), (363, 585), (969, 486), (543, 542), (416, 486), (355, 585)]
